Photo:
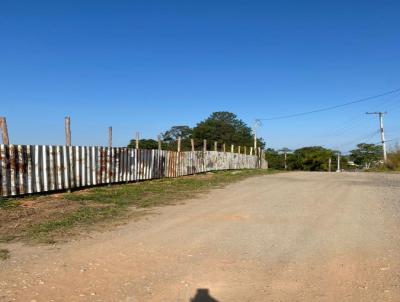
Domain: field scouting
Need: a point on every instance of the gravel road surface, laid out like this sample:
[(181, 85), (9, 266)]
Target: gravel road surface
[(283, 237)]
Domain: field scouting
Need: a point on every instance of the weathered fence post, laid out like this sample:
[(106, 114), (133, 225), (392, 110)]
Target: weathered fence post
[(232, 148), (192, 143), (137, 141), (239, 149), (251, 150), (109, 144), (245, 150), (179, 144), (4, 131), (68, 140), (68, 131), (110, 137), (159, 142), (224, 147), (204, 145)]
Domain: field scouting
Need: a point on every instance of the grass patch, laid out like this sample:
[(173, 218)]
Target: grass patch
[(112, 203), (6, 203), (49, 231), (4, 254)]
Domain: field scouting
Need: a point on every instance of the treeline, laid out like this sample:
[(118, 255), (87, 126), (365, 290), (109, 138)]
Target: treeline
[(317, 158), (226, 128), (313, 158), (221, 127)]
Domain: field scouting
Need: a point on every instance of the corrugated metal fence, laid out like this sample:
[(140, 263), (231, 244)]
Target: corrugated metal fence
[(26, 169)]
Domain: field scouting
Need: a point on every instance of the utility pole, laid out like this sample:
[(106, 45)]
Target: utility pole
[(257, 123), (381, 114), (285, 151), (285, 160), (338, 162)]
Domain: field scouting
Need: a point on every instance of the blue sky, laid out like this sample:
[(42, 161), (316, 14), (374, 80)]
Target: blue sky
[(148, 65)]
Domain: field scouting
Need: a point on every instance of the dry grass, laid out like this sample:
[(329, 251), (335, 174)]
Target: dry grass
[(393, 162), (4, 254)]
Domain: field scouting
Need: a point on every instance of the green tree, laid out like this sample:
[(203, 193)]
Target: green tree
[(367, 155), (224, 127), (185, 132), (313, 158), (275, 159), (146, 144), (171, 136)]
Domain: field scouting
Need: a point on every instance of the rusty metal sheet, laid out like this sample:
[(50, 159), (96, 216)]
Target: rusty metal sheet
[(29, 169)]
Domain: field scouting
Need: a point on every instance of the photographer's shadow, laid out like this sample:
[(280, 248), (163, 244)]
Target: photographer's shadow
[(203, 295)]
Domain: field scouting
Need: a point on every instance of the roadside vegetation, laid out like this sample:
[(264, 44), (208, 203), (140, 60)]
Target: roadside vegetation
[(314, 158), (366, 157), (393, 162), (51, 218)]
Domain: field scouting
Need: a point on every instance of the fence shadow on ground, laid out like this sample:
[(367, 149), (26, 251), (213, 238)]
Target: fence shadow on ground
[(203, 295)]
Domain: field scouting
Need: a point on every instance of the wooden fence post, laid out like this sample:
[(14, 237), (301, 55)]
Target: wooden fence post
[(232, 148), (245, 150), (68, 131), (204, 145), (159, 142), (179, 144), (110, 137), (239, 149), (192, 143), (251, 150), (224, 147), (4, 131), (215, 146), (137, 141)]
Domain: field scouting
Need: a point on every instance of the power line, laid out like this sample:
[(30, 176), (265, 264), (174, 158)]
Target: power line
[(331, 107), (365, 139)]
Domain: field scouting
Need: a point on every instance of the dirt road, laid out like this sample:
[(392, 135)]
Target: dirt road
[(283, 237)]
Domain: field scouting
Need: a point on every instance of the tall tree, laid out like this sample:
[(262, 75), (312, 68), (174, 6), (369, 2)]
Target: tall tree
[(224, 127), (146, 144), (366, 154), (313, 158), (275, 159), (171, 136)]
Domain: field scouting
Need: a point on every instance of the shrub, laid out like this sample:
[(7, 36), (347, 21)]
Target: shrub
[(393, 161)]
